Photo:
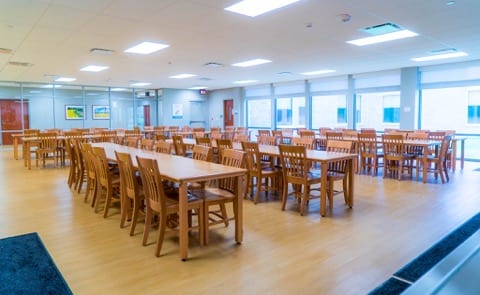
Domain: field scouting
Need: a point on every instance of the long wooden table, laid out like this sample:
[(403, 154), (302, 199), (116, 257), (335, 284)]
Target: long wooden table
[(184, 170), (324, 158)]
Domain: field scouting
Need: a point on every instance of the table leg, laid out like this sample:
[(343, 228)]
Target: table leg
[(323, 189), (183, 221), (425, 166), (351, 176), (15, 148), (453, 159), (238, 207)]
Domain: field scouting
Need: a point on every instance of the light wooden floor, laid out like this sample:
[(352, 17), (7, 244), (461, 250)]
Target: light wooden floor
[(349, 252)]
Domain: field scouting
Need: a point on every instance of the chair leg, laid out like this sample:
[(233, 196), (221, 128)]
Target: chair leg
[(259, 188), (148, 224), (162, 225), (136, 212)]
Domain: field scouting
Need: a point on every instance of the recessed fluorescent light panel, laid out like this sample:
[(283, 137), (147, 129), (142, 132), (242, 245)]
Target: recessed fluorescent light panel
[(65, 79), (182, 76), (251, 63), (440, 56), (245, 81), (319, 72), (146, 48), (140, 84), (254, 8), (198, 87), (93, 68), (51, 86), (383, 33), (117, 89), (383, 38)]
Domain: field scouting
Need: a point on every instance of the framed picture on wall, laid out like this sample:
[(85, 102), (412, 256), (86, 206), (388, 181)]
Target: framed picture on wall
[(74, 112), (100, 112)]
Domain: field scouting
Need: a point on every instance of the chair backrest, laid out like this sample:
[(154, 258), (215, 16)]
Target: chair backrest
[(339, 146), (202, 152), (368, 130), (393, 144), (417, 136), (152, 184), (198, 134), (133, 132), (132, 141), (240, 137), (307, 142), (232, 158), (324, 130), (147, 144), (198, 129), (367, 144), (48, 140), (203, 141), (295, 165), (178, 145), (334, 135), (307, 133), (287, 132), (101, 166), (108, 136), (349, 133), (436, 135), (163, 147), (444, 148), (215, 129), (31, 132), (267, 140), (252, 156), (128, 180), (264, 132), (84, 159)]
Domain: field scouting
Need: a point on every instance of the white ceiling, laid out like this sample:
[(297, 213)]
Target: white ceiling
[(57, 35)]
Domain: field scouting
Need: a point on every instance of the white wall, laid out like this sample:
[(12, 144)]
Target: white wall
[(215, 106)]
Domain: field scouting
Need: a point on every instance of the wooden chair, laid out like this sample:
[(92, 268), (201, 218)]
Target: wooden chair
[(337, 171), (31, 148), (147, 144), (158, 204), (307, 133), (132, 196), (278, 136), (370, 153), (132, 141), (179, 146), (108, 136), (85, 150), (202, 152), (395, 156), (108, 183), (163, 147), (205, 141), (264, 132), (240, 138), (296, 171), (307, 142), (437, 163), (47, 149), (221, 145), (72, 171), (368, 130), (221, 195), (266, 159), (266, 178), (333, 135)]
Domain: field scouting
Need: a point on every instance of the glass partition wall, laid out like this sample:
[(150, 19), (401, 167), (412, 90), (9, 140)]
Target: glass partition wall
[(46, 106)]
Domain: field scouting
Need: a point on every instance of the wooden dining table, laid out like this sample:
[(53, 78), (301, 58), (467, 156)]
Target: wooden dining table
[(324, 158), (182, 171)]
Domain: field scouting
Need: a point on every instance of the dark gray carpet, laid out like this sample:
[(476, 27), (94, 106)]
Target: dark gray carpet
[(27, 268)]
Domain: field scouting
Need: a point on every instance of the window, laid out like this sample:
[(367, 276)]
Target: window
[(474, 107), (290, 112), (259, 113), (329, 111), (391, 109)]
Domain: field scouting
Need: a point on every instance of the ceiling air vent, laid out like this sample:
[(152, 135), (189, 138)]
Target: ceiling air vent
[(102, 51), (20, 64), (205, 79), (213, 65), (381, 29), (443, 51)]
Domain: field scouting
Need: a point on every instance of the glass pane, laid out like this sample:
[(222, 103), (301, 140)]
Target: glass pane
[(378, 110), (146, 108), (329, 111), (121, 108), (40, 106), (290, 112), (259, 113), (97, 107)]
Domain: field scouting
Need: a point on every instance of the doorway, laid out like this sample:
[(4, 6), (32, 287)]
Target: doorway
[(11, 119), (228, 118)]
